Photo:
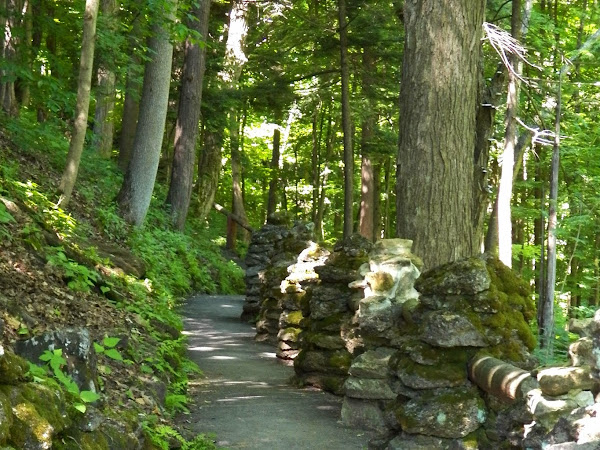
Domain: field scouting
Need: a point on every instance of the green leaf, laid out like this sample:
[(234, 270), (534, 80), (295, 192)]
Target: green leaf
[(114, 354), (80, 407), (98, 348), (88, 396), (111, 341), (5, 216), (104, 289)]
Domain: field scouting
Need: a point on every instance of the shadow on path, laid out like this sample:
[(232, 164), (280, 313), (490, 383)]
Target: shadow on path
[(245, 398)]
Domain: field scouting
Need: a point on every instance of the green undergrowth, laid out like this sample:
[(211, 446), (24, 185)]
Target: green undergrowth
[(176, 264)]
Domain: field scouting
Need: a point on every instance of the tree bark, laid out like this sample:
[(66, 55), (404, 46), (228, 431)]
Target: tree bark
[(83, 102), (105, 94), (346, 123), (209, 168), (436, 202), (131, 104), (367, 198), (235, 59), (188, 115), (136, 191), (272, 200)]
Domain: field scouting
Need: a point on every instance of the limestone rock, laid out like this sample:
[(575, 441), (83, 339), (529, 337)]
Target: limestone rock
[(373, 363), (560, 380), (367, 388), (328, 301), (580, 326), (469, 276), (417, 376), (405, 441), (447, 329), (581, 352), (449, 413), (380, 281), (331, 362), (548, 410), (325, 341), (377, 313), (77, 349), (363, 414), (333, 274)]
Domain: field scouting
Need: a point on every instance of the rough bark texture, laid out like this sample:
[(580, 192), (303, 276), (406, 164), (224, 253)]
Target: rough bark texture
[(436, 205), (105, 92), (131, 104), (186, 128), (366, 220), (136, 192), (346, 123), (83, 101)]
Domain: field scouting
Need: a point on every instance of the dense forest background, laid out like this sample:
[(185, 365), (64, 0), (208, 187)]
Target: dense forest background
[(259, 106)]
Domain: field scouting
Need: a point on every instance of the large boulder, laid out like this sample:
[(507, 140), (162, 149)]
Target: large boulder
[(77, 349)]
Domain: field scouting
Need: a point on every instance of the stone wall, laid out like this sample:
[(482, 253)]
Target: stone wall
[(363, 323)]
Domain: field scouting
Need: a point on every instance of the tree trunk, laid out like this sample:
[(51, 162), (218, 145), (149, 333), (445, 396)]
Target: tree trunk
[(387, 194), (436, 202), (329, 137), (377, 224), (10, 23), (346, 123), (83, 102), (209, 168), (131, 104), (519, 28), (105, 94), (546, 325), (315, 166), (272, 200), (136, 191), (235, 59), (367, 198), (188, 115)]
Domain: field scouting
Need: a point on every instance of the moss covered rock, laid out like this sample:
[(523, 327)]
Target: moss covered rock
[(12, 367), (448, 413), (6, 417), (469, 276)]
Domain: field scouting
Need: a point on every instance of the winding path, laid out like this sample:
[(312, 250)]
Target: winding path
[(245, 398)]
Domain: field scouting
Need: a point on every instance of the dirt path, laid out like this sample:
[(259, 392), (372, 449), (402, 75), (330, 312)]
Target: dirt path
[(245, 398)]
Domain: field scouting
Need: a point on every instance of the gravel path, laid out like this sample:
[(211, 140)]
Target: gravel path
[(245, 398)]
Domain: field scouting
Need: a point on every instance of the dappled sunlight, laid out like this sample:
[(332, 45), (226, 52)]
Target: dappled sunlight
[(245, 397), (222, 357)]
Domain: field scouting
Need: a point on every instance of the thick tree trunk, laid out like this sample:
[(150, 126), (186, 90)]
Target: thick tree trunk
[(83, 102), (436, 202), (131, 104), (188, 115), (136, 192), (105, 94), (315, 166), (346, 123), (387, 232), (377, 223), (10, 42)]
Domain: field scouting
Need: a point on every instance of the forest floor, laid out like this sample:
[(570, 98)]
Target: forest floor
[(246, 398)]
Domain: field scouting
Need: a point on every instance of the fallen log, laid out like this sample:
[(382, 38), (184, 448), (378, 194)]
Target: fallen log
[(501, 379), (237, 219)]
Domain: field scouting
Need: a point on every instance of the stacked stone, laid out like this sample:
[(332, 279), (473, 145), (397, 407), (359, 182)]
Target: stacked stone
[(293, 301), (264, 245), (424, 344), (564, 409), (329, 340), (284, 258)]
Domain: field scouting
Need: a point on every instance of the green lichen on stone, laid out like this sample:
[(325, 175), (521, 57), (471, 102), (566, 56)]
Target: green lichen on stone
[(453, 373), (49, 402), (335, 385), (30, 429), (6, 417), (341, 359), (330, 323), (12, 368), (294, 317)]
